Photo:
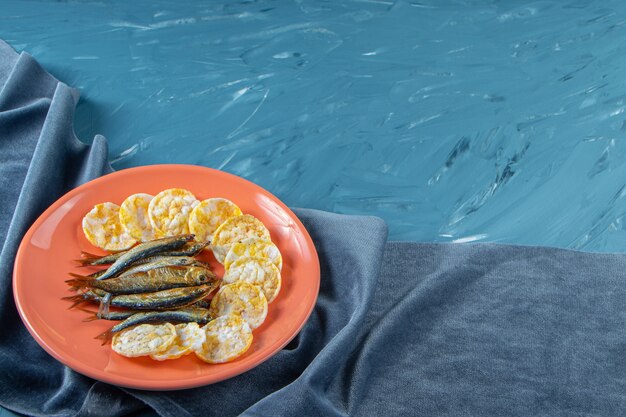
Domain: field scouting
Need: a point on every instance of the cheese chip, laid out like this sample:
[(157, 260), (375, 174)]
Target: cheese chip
[(254, 247), (103, 229), (134, 217), (189, 337), (256, 271), (243, 299), (145, 339), (227, 338), (234, 230), (206, 217), (169, 212)]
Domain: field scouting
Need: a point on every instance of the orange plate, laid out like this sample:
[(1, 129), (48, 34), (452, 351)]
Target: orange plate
[(56, 238)]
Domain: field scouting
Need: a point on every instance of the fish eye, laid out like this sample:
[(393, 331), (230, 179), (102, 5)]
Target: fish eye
[(204, 278)]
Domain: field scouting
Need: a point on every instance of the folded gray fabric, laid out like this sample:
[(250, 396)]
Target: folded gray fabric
[(40, 159), (398, 329)]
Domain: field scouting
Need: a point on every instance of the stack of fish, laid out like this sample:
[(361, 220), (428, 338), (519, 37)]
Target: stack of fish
[(154, 282)]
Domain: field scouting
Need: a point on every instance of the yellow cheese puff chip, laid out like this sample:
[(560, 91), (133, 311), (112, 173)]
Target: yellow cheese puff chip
[(241, 298), (256, 271), (234, 230), (254, 247), (227, 338), (145, 339), (134, 217), (189, 337), (206, 217), (103, 229), (169, 212)]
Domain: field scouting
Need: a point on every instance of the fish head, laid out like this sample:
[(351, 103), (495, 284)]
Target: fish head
[(201, 275), (197, 247), (203, 278)]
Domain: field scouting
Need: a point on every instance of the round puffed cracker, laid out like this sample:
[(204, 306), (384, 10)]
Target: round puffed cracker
[(103, 229), (169, 212), (206, 217), (227, 338), (189, 337), (256, 271), (134, 217), (234, 230), (145, 339), (242, 299), (254, 247)]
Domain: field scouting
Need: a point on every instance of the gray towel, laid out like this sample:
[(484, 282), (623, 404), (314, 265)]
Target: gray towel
[(398, 329)]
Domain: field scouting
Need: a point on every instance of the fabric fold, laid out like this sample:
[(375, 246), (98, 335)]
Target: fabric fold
[(17, 89), (40, 160)]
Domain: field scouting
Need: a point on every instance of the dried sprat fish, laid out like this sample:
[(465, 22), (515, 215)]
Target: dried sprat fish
[(152, 262), (90, 295), (197, 315), (123, 314), (159, 300), (144, 250), (149, 281), (89, 259), (188, 249), (160, 261), (115, 315)]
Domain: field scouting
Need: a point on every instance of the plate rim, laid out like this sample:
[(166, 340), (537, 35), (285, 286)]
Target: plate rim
[(131, 382)]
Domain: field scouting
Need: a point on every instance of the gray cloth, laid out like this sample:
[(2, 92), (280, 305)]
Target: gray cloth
[(398, 329)]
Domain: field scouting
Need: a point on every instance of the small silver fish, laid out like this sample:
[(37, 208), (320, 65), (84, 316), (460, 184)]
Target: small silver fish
[(145, 250), (163, 261), (188, 249), (189, 315), (112, 315), (157, 279), (159, 300), (153, 262)]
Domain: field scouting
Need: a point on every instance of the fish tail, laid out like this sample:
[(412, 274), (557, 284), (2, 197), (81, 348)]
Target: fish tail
[(87, 258), (105, 337), (73, 286), (77, 300), (80, 281), (92, 315)]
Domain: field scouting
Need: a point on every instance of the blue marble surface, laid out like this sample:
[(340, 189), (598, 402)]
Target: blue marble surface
[(453, 120)]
